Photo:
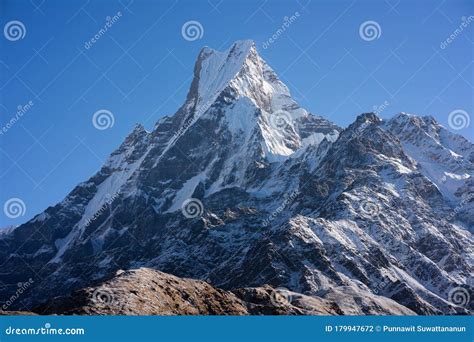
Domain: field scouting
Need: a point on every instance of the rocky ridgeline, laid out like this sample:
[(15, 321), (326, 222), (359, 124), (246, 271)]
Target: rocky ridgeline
[(244, 189)]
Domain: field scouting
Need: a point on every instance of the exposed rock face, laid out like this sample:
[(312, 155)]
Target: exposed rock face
[(267, 300), (149, 292), (381, 210), (446, 159), (16, 313)]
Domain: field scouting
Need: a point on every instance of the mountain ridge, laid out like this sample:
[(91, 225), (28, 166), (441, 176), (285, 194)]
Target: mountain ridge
[(243, 187), (149, 292)]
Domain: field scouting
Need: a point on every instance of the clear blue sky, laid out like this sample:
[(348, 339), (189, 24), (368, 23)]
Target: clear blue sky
[(141, 68)]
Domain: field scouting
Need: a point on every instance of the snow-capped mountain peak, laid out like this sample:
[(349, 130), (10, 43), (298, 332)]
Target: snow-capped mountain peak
[(280, 197), (241, 71), (445, 158), (257, 103), (214, 70)]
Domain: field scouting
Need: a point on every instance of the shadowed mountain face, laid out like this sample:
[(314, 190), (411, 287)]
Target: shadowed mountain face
[(242, 187)]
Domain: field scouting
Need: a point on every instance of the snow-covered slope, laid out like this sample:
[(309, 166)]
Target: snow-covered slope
[(379, 211), (447, 159)]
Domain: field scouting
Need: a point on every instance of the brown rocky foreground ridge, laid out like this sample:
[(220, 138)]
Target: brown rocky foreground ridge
[(147, 291)]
